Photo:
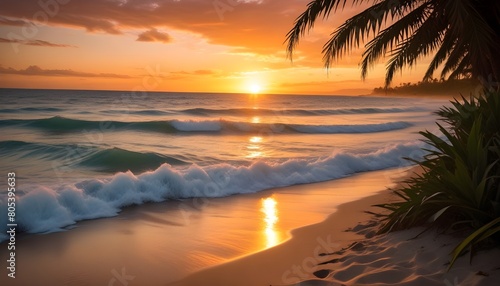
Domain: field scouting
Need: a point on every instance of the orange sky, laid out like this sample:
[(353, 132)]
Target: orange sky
[(173, 45)]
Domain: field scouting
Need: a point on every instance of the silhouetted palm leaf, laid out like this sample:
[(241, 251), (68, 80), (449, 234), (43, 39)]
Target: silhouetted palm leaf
[(464, 35)]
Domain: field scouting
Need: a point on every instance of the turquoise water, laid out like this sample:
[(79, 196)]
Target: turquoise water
[(87, 154)]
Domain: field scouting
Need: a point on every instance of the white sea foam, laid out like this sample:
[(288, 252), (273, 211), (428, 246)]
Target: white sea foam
[(48, 210)]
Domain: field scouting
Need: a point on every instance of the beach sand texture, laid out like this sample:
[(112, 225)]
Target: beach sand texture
[(227, 242), (345, 250), (160, 243)]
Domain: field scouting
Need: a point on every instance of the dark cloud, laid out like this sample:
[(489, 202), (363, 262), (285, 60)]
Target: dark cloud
[(37, 71), (154, 35), (40, 43)]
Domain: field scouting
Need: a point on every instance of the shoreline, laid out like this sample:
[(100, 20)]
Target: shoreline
[(159, 243), (296, 259), (344, 249)]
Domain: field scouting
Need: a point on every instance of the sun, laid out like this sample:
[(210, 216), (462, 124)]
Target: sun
[(254, 88)]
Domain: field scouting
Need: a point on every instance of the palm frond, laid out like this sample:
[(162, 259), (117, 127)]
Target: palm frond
[(307, 19), (359, 28), (421, 43), (391, 36), (455, 57), (462, 69), (447, 45), (472, 31), (466, 35)]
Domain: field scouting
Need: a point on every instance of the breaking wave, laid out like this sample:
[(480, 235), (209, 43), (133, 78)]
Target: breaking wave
[(46, 209)]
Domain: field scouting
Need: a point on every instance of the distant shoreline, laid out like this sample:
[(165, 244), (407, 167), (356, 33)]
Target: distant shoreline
[(449, 96), (454, 88)]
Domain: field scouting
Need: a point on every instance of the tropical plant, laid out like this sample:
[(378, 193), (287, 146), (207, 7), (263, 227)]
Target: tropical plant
[(463, 35), (460, 183)]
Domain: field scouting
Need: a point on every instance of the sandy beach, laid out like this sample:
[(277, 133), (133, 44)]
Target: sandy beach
[(249, 143), (345, 250), (296, 259), (160, 243), (233, 241)]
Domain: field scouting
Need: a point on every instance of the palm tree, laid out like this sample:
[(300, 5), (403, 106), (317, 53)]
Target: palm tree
[(463, 35)]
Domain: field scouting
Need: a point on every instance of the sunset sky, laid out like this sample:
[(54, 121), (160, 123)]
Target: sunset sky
[(189, 45)]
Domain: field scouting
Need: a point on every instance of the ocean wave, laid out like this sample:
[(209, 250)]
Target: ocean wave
[(59, 124), (294, 112), (230, 111), (362, 128), (93, 157), (116, 159), (47, 210), (153, 112), (30, 109)]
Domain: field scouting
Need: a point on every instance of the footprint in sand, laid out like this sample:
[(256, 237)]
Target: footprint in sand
[(323, 273)]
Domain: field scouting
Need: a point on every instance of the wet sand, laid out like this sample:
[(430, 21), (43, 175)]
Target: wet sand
[(344, 249), (157, 244)]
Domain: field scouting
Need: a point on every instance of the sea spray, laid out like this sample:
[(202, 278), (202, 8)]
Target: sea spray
[(47, 210)]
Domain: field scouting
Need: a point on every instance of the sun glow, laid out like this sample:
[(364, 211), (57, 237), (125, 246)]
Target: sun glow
[(254, 88)]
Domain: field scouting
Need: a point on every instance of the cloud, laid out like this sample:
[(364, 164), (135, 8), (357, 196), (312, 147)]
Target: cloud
[(90, 23), (39, 43), (13, 22), (329, 87), (251, 26), (182, 74), (318, 83), (203, 72), (37, 71), (154, 35), (257, 26)]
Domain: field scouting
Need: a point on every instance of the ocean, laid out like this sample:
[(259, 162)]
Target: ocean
[(81, 155)]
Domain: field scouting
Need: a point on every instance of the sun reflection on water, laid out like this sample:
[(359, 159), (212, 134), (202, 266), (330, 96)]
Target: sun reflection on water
[(270, 212), (254, 148), (255, 139), (255, 119)]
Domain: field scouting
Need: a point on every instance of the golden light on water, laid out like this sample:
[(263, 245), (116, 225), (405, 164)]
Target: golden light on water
[(256, 139), (254, 154), (254, 147), (270, 212)]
